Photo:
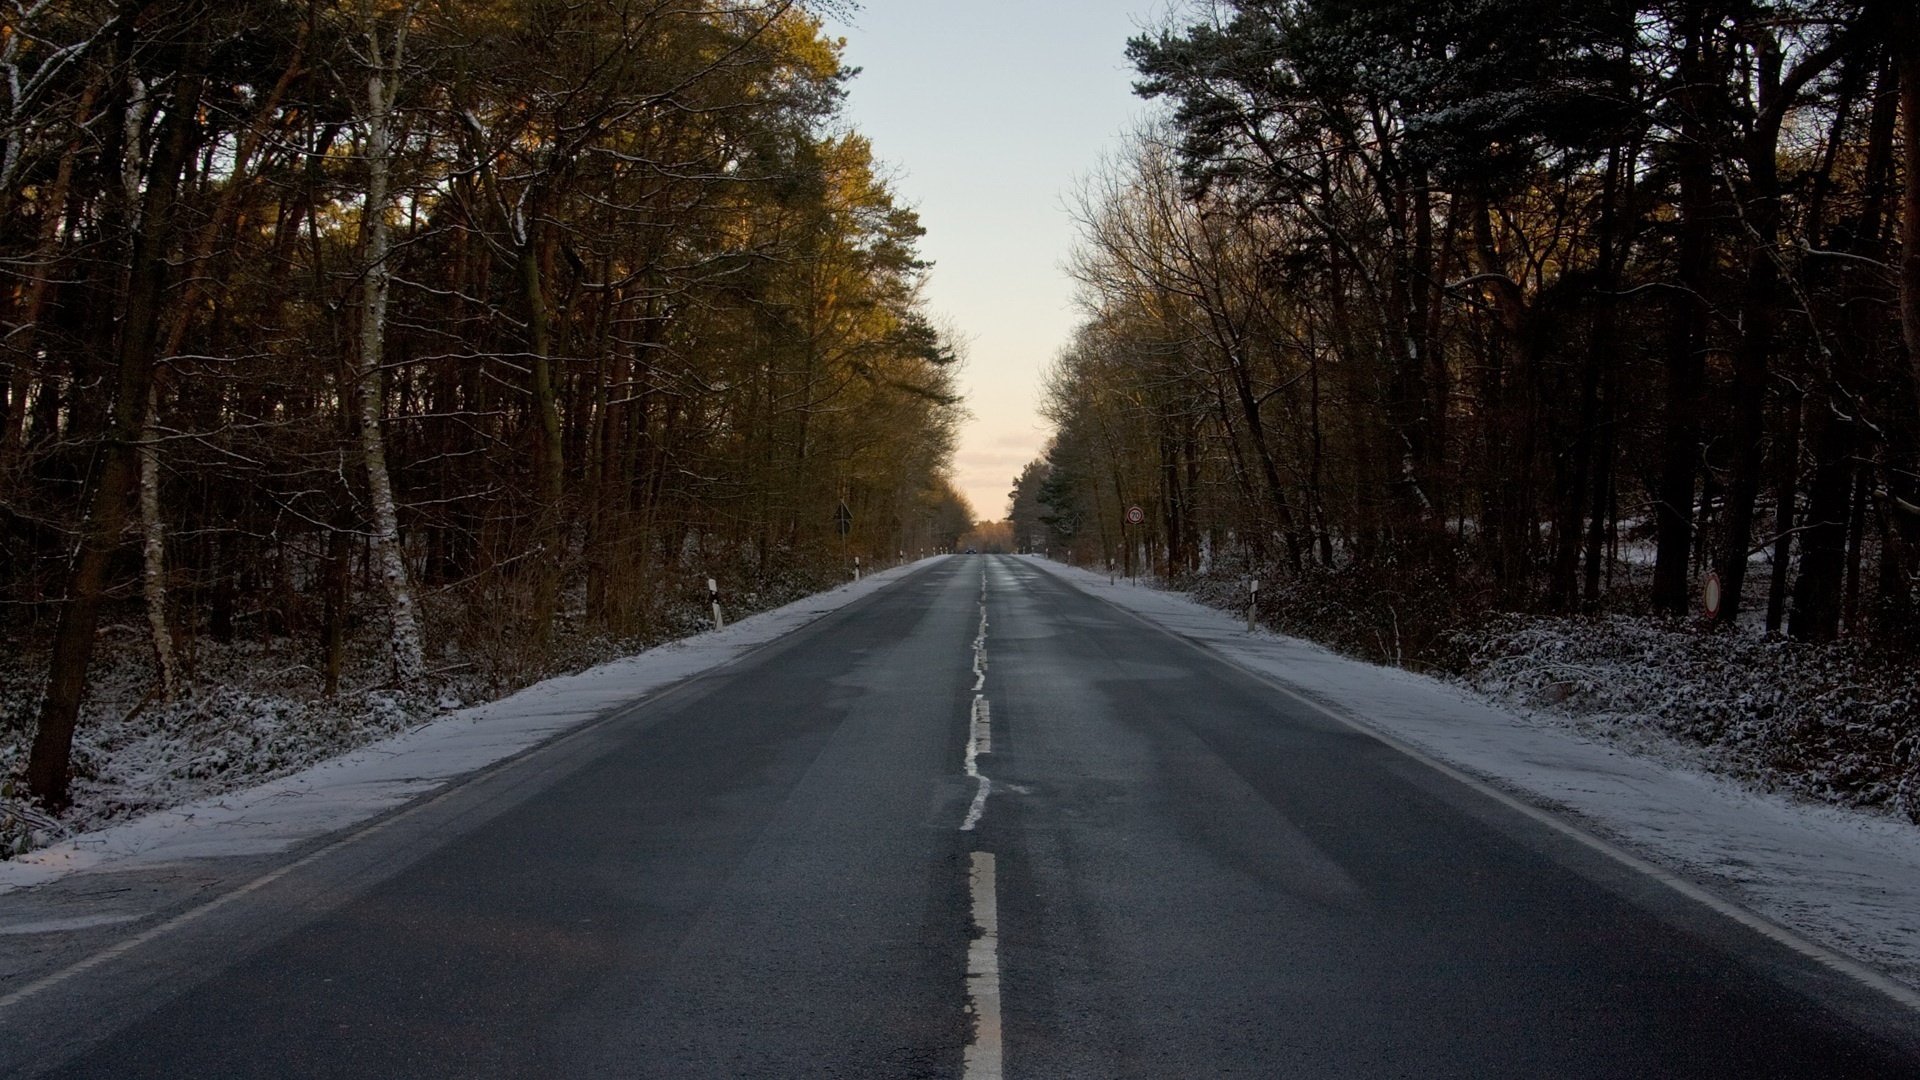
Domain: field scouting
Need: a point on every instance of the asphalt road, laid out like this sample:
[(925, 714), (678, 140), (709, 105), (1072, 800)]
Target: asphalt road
[(1176, 872)]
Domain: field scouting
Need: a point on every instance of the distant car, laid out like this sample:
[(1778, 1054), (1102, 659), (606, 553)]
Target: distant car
[(970, 551)]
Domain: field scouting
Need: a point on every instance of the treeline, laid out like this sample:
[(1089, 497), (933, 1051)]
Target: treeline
[(474, 323), (1502, 305)]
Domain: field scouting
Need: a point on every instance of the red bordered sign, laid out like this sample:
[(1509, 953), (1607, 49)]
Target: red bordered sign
[(1135, 515)]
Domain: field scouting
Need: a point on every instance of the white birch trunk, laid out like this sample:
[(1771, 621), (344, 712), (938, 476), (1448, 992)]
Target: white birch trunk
[(153, 530), (1910, 196), (409, 661), (138, 106), (155, 549)]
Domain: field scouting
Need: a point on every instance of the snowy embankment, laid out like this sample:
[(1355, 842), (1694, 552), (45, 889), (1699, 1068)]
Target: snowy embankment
[(1846, 879), (366, 782)]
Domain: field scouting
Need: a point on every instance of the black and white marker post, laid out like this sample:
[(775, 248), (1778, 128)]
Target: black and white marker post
[(856, 568), (1253, 602), (713, 595)]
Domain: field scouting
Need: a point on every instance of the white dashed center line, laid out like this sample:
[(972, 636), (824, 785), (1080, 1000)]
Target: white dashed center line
[(979, 720), (983, 973), (982, 1056)]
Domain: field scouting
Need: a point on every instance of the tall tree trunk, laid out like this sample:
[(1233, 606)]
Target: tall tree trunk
[(154, 546), (409, 661), (1776, 89), (1508, 374), (1751, 361), (1563, 587), (1263, 451), (1856, 546), (1255, 541), (1900, 554), (30, 301), (1685, 359), (1190, 455), (1786, 481), (1823, 587), (1907, 40), (551, 460), (1173, 500), (1316, 493), (1832, 367), (1597, 558), (339, 597), (116, 464), (1817, 597), (1407, 400)]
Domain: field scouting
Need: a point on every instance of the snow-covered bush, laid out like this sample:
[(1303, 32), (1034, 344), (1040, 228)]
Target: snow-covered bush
[(1380, 612), (1829, 722)]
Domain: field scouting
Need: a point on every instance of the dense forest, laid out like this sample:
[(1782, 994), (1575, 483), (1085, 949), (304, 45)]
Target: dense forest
[(448, 332), (1425, 311)]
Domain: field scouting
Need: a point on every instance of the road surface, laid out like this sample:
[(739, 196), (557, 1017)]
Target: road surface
[(977, 824)]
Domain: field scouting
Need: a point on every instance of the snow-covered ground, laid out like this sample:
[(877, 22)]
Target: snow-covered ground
[(1845, 879), (359, 785)]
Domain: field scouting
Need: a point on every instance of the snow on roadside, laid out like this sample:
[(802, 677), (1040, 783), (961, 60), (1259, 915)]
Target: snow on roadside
[(1849, 880), (361, 784)]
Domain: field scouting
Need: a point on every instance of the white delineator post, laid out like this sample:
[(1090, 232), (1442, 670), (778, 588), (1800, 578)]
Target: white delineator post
[(1253, 602), (856, 568), (713, 596)]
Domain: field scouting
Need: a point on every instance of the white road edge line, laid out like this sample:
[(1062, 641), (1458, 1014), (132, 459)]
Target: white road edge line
[(350, 834), (983, 1055), (121, 948), (1820, 954), (77, 922)]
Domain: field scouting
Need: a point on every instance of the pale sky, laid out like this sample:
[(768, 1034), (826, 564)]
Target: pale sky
[(988, 112)]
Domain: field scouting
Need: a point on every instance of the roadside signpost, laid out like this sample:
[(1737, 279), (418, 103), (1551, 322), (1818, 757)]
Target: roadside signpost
[(1133, 519), (1710, 596)]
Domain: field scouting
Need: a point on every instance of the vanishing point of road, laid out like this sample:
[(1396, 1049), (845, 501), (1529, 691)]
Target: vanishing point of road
[(979, 823)]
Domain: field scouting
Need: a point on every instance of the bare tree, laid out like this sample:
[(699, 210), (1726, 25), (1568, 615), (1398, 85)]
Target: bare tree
[(386, 53)]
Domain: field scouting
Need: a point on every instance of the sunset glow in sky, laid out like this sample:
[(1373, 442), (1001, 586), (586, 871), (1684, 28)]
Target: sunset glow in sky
[(988, 113)]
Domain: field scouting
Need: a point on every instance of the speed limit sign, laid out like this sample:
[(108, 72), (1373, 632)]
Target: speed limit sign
[(1135, 515)]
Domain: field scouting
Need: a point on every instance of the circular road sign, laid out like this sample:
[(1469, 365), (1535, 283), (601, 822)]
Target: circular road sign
[(1135, 515), (1710, 596)]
